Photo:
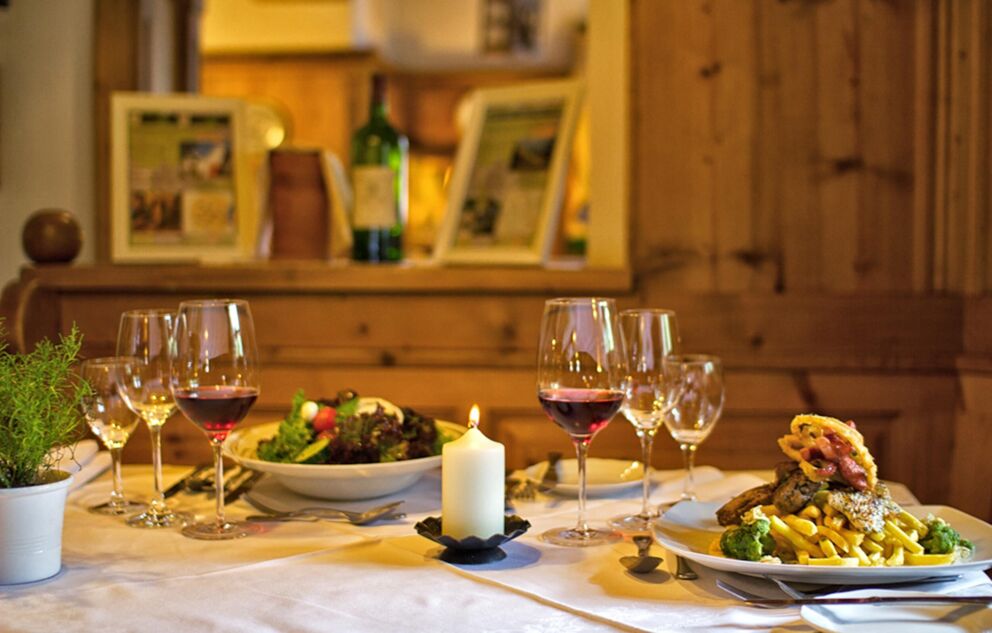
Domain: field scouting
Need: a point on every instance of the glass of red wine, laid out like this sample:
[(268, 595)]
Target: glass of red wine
[(580, 384), (214, 380)]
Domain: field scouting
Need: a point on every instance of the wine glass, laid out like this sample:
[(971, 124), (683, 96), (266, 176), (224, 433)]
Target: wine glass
[(580, 384), (215, 383), (649, 336), (697, 407), (110, 419), (144, 337)]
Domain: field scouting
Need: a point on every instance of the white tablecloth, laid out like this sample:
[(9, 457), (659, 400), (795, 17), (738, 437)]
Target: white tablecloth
[(330, 576)]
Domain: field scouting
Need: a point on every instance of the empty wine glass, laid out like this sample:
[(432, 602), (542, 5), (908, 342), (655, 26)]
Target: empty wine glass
[(697, 407), (215, 383), (110, 419), (144, 336), (649, 336), (580, 386)]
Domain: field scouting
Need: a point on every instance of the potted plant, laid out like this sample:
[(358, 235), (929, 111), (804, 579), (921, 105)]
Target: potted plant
[(40, 397)]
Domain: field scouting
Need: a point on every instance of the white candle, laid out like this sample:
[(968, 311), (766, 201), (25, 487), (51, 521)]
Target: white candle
[(472, 484)]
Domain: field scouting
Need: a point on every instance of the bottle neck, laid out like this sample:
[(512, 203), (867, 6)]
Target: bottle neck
[(378, 110)]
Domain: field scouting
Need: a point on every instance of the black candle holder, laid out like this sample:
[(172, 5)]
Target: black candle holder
[(472, 550)]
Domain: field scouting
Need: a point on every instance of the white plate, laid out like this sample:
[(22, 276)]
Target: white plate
[(332, 481), (603, 476), (896, 618), (689, 527)]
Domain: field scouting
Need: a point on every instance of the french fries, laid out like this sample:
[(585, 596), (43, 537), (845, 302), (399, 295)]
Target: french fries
[(824, 537)]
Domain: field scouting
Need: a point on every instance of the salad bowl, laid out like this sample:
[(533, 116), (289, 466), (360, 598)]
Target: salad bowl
[(333, 481)]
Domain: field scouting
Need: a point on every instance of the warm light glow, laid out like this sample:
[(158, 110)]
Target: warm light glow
[(473, 417)]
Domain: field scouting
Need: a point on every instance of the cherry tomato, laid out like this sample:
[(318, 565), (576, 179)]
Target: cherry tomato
[(324, 420)]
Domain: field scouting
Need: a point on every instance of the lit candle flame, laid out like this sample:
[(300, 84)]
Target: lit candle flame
[(473, 417)]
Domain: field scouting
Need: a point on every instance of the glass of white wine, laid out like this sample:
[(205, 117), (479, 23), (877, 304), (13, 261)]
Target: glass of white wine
[(650, 335), (110, 419), (696, 408), (144, 336)]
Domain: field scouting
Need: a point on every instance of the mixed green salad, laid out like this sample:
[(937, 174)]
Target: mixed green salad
[(349, 429)]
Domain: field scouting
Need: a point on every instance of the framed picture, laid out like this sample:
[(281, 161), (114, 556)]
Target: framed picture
[(505, 193), (179, 188)]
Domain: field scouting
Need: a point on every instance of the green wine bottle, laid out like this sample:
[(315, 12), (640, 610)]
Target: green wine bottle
[(379, 178)]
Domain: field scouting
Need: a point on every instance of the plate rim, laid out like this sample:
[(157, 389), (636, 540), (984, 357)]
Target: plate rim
[(874, 575), (590, 487)]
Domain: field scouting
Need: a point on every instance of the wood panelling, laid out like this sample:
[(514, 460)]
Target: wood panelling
[(438, 345), (810, 191), (773, 144)]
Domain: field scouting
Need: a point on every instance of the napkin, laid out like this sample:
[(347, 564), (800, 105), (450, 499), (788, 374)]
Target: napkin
[(73, 457), (83, 460), (100, 464)]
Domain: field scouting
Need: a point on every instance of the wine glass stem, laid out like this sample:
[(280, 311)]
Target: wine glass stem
[(647, 442), (688, 460), (581, 449), (117, 495), (219, 482), (158, 500)]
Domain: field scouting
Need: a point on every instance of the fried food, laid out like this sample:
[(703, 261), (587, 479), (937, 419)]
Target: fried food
[(829, 450)]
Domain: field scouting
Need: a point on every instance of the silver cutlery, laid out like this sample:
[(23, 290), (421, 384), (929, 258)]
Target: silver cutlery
[(753, 600), (683, 571), (529, 488), (315, 513), (184, 482), (242, 486), (642, 563), (792, 592)]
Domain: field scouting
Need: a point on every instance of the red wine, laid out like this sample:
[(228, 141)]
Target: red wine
[(216, 410), (581, 412)]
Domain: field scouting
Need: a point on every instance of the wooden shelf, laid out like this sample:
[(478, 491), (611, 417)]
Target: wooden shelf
[(302, 277)]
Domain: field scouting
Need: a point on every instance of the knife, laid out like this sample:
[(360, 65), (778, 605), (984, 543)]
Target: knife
[(243, 486), (179, 485), (550, 478), (790, 602)]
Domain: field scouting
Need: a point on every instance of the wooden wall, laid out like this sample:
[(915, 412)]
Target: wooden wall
[(834, 145), (815, 150), (810, 192)]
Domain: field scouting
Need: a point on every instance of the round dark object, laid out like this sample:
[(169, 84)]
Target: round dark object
[(52, 236), (472, 550)]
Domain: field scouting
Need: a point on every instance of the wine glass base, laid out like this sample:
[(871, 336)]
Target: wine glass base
[(118, 509), (633, 523), (213, 532), (154, 520), (573, 537)]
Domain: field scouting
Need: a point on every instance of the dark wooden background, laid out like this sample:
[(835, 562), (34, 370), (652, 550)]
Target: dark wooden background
[(810, 192)]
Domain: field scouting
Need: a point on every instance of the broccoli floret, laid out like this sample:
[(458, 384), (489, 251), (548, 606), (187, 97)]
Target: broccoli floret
[(941, 538), (751, 539)]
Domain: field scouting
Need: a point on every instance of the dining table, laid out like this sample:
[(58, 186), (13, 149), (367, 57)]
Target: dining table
[(330, 575)]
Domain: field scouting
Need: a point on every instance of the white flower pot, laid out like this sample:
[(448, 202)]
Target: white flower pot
[(31, 530)]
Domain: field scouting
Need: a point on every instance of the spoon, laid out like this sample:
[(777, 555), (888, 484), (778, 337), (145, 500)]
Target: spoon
[(642, 563)]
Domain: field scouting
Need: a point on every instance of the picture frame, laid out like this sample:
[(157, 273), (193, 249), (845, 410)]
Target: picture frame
[(505, 192), (180, 190)]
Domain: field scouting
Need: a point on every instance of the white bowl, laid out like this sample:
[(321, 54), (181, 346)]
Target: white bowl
[(332, 481)]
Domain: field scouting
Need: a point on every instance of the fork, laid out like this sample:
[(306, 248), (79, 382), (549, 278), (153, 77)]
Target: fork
[(315, 513)]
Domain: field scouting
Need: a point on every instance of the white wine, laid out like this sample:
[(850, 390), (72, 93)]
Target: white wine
[(642, 408), (113, 425), (156, 411)]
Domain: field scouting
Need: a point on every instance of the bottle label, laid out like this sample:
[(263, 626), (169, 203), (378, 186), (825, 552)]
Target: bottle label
[(375, 197)]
